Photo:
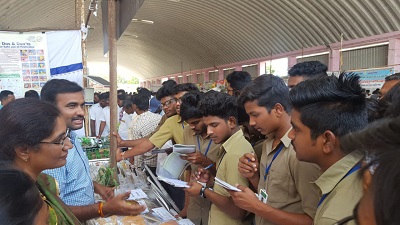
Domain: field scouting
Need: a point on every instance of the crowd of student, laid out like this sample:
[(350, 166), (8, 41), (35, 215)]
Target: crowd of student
[(314, 151)]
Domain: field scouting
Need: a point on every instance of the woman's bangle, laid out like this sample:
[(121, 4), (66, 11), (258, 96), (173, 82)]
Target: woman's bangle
[(100, 211)]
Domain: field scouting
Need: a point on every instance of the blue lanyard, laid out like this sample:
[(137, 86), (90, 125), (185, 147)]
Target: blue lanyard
[(354, 169), (273, 159), (208, 147), (183, 126)]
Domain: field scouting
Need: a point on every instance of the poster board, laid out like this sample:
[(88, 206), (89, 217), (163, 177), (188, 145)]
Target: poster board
[(24, 62), (372, 79)]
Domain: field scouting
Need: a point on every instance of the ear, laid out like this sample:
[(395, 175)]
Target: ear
[(279, 110), (232, 122), (22, 152), (329, 142)]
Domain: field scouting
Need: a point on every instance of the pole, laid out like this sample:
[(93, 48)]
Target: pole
[(112, 57)]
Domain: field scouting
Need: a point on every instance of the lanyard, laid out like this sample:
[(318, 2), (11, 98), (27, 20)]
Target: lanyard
[(354, 169), (273, 159), (183, 126), (208, 147)]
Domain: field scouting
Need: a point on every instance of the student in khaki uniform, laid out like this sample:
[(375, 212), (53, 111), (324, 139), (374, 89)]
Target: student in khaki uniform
[(324, 110), (195, 133), (171, 129), (220, 116), (292, 197)]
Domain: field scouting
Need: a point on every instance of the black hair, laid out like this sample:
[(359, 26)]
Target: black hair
[(58, 86), (121, 97), (238, 80), (25, 122), (395, 76), (97, 93), (377, 137), (184, 87), (331, 103), (144, 92), (19, 197), (105, 95), (189, 107), (385, 187), (390, 104), (309, 69), (141, 101), (164, 91), (218, 104), (169, 82), (32, 94), (4, 94), (121, 92), (373, 109), (127, 103), (268, 90)]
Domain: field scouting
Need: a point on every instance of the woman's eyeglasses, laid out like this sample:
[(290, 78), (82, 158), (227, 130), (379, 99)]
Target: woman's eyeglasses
[(61, 143)]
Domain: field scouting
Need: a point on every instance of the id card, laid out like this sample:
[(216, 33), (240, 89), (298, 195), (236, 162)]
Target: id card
[(263, 196)]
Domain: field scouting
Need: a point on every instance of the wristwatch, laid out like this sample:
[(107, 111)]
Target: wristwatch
[(202, 194)]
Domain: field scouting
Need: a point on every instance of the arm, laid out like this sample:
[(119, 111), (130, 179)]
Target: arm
[(247, 200), (224, 203), (139, 149), (93, 127), (102, 126), (116, 206)]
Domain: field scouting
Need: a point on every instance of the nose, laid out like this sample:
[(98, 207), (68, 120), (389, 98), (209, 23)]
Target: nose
[(209, 130), (81, 111), (67, 144), (252, 122), (291, 134)]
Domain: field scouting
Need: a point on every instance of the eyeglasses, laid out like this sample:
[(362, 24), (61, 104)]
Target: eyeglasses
[(61, 143), (168, 103), (178, 100)]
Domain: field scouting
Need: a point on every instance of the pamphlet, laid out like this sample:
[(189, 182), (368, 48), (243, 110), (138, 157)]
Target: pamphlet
[(174, 165), (226, 185), (174, 182), (184, 149)]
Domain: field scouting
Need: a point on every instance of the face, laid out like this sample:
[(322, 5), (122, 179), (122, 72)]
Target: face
[(104, 102), (197, 125), (96, 98), (386, 87), (43, 215), (120, 102), (294, 80), (168, 104), (179, 101), (51, 153), (71, 107), (218, 129), (260, 118), (229, 89), (305, 147), (7, 100), (129, 111)]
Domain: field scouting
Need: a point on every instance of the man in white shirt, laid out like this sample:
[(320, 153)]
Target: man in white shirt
[(126, 120), (96, 112)]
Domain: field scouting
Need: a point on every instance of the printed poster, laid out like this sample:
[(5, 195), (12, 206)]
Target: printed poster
[(374, 78), (24, 63)]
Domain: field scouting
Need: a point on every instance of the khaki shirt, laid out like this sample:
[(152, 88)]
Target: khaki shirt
[(199, 207), (171, 129), (162, 121), (227, 170), (343, 194), (290, 182)]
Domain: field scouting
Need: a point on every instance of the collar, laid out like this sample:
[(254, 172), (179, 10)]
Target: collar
[(284, 139), (72, 137), (329, 179), (232, 140)]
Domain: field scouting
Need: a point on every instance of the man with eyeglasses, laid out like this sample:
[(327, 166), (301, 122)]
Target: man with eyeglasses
[(75, 184)]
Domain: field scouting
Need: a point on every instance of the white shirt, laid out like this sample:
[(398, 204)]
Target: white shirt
[(95, 113), (106, 117), (123, 128)]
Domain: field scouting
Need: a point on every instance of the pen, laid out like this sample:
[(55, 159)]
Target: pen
[(209, 166)]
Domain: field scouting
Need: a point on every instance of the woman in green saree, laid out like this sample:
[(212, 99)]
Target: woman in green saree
[(33, 137)]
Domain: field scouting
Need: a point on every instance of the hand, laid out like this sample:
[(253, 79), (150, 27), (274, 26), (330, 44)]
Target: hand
[(246, 199), (183, 212), (118, 206), (106, 193), (248, 165), (201, 175), (119, 139), (195, 158), (119, 155), (194, 189)]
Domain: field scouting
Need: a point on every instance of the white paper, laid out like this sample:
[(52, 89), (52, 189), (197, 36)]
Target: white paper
[(137, 194), (184, 149), (174, 164), (163, 214), (174, 182), (185, 222), (225, 185)]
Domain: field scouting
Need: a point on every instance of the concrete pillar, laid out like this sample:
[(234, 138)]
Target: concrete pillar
[(194, 78), (261, 68), (291, 61), (184, 79), (206, 76), (394, 53), (238, 68), (334, 60), (220, 74)]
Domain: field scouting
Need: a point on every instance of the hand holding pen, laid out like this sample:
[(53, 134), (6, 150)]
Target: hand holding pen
[(202, 174), (248, 165)]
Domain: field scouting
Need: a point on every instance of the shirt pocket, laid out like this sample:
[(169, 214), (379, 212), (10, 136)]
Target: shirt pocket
[(278, 187)]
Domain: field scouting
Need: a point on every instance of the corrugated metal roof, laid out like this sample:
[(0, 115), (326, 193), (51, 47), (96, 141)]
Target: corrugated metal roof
[(202, 34)]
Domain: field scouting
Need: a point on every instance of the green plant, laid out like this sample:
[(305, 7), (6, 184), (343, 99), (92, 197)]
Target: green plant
[(105, 177)]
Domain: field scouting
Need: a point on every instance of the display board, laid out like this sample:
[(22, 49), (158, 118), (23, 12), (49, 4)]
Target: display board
[(24, 63), (373, 78)]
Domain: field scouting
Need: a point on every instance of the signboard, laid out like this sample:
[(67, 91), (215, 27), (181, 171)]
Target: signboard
[(374, 78), (24, 63)]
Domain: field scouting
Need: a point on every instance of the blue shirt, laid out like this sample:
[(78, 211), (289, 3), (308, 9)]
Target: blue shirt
[(76, 185)]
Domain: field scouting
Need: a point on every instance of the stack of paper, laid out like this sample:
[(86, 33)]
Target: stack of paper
[(226, 185), (137, 194), (184, 149), (174, 182)]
